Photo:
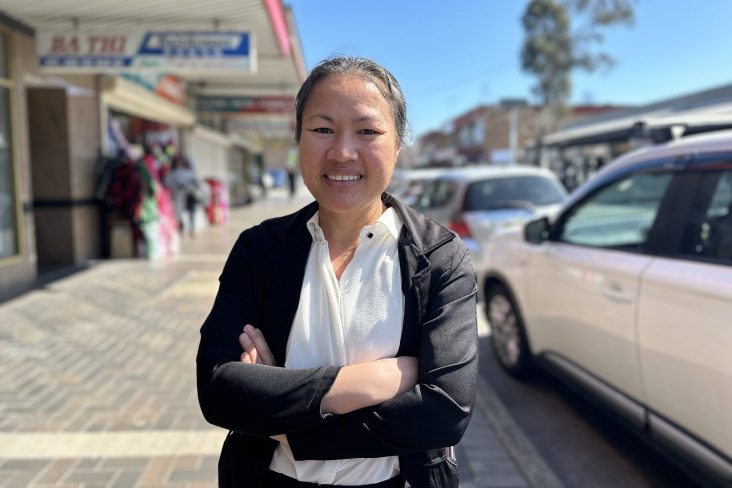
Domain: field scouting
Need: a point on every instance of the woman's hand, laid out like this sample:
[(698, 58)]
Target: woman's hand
[(256, 350)]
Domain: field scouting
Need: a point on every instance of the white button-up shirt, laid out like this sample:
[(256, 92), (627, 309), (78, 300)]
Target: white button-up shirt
[(354, 320)]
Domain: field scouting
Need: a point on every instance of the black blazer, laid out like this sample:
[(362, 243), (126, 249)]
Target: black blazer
[(261, 284)]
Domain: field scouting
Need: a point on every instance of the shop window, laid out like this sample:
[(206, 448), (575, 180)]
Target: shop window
[(8, 217)]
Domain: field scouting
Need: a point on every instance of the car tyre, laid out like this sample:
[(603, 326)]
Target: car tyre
[(508, 335)]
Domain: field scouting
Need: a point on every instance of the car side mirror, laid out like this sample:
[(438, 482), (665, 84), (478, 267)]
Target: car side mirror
[(537, 231)]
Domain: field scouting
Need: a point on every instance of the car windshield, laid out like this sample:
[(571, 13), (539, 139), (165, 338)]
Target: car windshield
[(513, 192)]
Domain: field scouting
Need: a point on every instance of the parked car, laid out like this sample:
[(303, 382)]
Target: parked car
[(627, 294), (477, 202)]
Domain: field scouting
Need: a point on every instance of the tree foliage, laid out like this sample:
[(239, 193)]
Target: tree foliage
[(562, 36)]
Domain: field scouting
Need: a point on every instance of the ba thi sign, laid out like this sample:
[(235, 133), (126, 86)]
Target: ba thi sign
[(169, 52)]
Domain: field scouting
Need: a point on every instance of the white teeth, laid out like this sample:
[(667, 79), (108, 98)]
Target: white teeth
[(343, 177)]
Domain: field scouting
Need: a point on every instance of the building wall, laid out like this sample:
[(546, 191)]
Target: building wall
[(275, 152), (51, 181), (498, 129), (19, 271), (209, 154), (84, 148), (65, 143)]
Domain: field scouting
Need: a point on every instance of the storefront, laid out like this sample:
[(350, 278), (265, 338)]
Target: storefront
[(70, 96), (144, 132)]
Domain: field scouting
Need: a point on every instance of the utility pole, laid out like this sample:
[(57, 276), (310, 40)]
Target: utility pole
[(512, 105)]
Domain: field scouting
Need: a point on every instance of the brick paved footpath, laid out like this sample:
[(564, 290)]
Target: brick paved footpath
[(97, 377)]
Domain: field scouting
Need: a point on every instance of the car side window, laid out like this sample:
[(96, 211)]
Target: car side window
[(436, 194), (618, 216), (708, 228), (513, 192)]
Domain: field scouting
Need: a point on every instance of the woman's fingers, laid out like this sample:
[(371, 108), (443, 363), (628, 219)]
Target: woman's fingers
[(260, 344), (249, 348)]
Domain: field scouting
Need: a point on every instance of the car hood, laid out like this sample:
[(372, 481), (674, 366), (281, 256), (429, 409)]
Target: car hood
[(485, 224)]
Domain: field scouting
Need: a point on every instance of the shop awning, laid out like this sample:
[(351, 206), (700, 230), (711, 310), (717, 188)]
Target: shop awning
[(128, 97), (692, 113)]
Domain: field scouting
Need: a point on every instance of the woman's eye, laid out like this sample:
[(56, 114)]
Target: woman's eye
[(368, 132), (322, 130)]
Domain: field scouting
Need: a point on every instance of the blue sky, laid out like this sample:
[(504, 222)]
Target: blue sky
[(450, 56)]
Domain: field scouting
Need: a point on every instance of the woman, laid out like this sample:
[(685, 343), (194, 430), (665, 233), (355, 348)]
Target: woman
[(356, 365)]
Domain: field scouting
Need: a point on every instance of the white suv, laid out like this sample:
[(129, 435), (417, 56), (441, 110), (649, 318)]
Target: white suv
[(627, 292)]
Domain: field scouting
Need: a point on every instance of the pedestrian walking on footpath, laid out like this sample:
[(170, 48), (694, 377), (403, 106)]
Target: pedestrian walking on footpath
[(341, 349), (292, 171), (185, 188)]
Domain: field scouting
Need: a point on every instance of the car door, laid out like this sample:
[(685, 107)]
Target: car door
[(685, 316), (584, 280)]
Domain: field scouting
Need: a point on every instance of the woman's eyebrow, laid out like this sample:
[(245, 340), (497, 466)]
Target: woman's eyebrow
[(327, 118)]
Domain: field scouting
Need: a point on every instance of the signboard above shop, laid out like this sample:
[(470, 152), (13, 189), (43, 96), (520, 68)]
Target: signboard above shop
[(157, 51), (167, 86), (241, 105)]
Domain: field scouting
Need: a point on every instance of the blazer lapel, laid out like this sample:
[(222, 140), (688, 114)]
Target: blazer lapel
[(415, 271), (416, 241)]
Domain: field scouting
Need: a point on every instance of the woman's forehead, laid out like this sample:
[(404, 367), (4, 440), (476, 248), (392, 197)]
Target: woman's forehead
[(349, 83), (359, 94)]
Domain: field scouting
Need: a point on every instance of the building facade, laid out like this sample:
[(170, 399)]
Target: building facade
[(492, 134), (61, 122)]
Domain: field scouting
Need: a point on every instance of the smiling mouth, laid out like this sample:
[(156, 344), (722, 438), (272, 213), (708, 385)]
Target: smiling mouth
[(343, 177)]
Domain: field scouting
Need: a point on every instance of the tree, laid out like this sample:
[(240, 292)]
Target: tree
[(562, 36)]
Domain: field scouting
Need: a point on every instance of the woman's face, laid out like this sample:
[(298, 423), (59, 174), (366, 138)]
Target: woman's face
[(348, 145)]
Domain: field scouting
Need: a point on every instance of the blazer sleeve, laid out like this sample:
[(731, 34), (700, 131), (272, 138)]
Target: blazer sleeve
[(251, 399), (436, 412)]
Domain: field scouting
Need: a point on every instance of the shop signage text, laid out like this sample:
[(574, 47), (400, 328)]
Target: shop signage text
[(247, 104), (167, 86), (171, 52)]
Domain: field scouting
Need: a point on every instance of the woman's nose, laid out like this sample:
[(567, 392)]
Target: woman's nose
[(342, 150)]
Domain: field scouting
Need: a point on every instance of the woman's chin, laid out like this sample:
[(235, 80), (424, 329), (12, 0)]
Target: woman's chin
[(345, 204)]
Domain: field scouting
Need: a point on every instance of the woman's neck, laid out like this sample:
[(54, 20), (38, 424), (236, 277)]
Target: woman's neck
[(342, 233), (343, 229)]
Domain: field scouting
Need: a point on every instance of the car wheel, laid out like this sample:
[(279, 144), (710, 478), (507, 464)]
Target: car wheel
[(508, 335)]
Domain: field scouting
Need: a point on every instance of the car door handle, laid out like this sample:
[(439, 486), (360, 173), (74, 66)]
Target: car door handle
[(615, 292)]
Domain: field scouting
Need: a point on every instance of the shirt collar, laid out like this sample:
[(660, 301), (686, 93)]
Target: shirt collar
[(388, 221), (391, 221)]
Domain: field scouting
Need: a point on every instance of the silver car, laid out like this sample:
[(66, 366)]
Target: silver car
[(478, 202)]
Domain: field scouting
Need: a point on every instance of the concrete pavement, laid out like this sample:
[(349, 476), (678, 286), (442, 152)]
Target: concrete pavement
[(97, 378)]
